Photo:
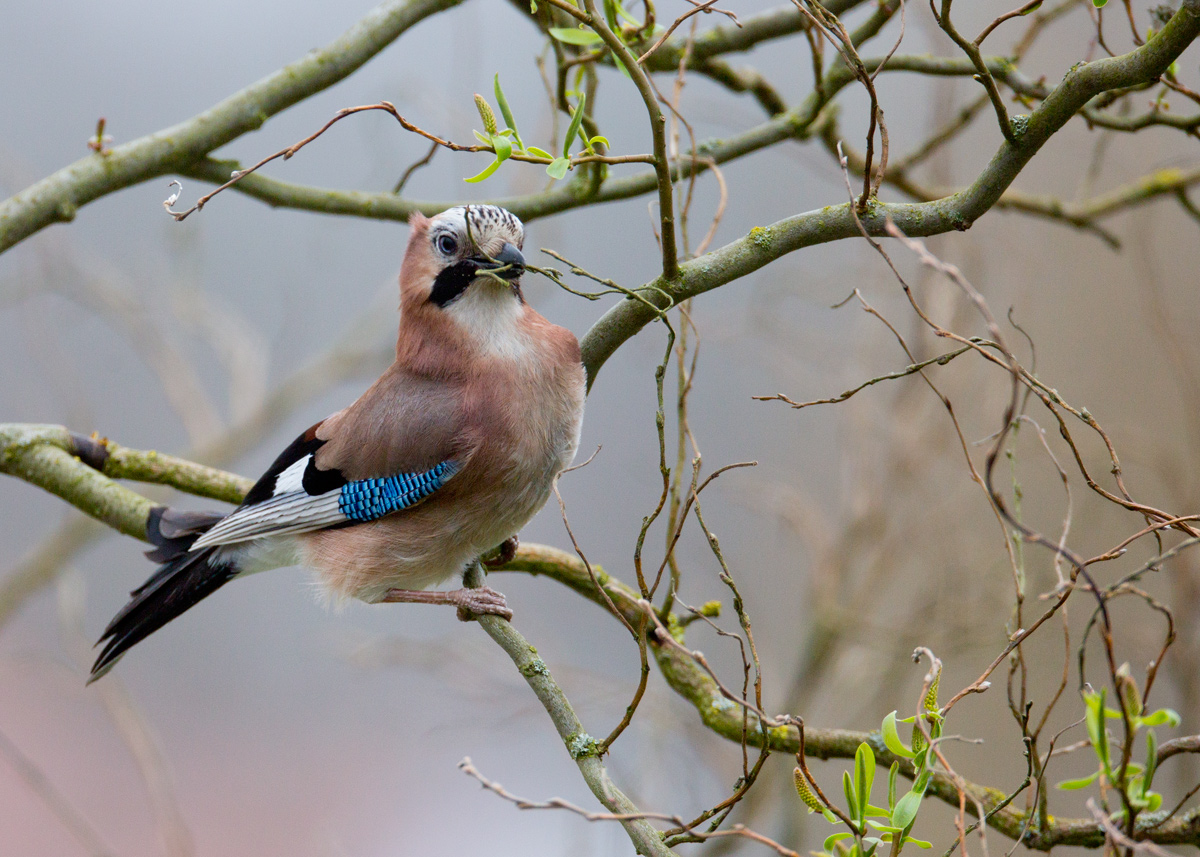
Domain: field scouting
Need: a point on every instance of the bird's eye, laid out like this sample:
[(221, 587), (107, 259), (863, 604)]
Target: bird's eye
[(447, 245)]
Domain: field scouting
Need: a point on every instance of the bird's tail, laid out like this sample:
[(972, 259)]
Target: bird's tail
[(185, 578)]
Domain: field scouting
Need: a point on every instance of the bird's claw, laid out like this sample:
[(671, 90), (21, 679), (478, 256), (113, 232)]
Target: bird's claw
[(482, 601)]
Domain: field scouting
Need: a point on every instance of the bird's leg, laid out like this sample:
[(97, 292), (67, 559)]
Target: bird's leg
[(470, 602), (503, 554)]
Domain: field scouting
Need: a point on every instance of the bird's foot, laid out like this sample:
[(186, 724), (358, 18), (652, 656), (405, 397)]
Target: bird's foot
[(471, 603), (503, 554), (483, 601)]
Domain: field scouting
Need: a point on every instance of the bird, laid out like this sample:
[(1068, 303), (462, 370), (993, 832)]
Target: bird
[(440, 462)]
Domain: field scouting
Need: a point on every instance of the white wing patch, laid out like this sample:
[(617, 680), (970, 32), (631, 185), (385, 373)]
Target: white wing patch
[(294, 512), (291, 479)]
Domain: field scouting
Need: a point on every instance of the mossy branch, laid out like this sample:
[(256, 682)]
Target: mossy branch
[(82, 471), (955, 212), (581, 746), (724, 717), (56, 198)]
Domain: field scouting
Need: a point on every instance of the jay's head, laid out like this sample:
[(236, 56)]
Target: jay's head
[(469, 253)]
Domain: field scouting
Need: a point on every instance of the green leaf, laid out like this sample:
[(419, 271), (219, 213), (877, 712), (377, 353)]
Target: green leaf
[(541, 153), (895, 769), (502, 146), (610, 13), (921, 755), (482, 138), (1151, 756), (1153, 801), (1094, 720), (621, 67), (629, 19), (575, 36), (491, 168), (1160, 717), (573, 128), (599, 138), (558, 168), (506, 112), (1099, 3), (920, 843), (1081, 783), (877, 811), (891, 738), (906, 810), (851, 797), (834, 838), (922, 782), (864, 776), (885, 828)]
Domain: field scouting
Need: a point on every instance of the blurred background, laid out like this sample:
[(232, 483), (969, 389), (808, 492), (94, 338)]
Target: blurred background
[(262, 723)]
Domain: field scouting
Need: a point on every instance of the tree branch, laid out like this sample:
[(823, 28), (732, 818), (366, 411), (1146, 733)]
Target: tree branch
[(56, 198), (725, 717), (955, 212), (796, 124), (78, 470), (580, 745)]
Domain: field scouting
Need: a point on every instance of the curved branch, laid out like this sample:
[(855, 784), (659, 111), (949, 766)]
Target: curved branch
[(1082, 214), (579, 744), (56, 198), (797, 123), (81, 471), (78, 470), (725, 718), (955, 212), (724, 39)]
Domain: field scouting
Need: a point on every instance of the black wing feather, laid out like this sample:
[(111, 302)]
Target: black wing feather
[(173, 531), (173, 589), (189, 576), (316, 481)]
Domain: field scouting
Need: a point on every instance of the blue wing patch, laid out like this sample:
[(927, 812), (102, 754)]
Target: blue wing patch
[(368, 499)]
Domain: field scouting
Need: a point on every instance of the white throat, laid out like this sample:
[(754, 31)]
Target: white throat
[(491, 316)]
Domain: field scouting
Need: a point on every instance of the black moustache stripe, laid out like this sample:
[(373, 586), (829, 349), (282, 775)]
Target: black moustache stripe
[(449, 285)]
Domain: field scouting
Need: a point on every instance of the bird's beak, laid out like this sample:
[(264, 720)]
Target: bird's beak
[(508, 263)]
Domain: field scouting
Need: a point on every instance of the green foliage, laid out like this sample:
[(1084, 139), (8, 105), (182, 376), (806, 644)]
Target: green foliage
[(573, 128), (498, 140), (575, 35), (893, 823), (507, 142), (1133, 778), (506, 112)]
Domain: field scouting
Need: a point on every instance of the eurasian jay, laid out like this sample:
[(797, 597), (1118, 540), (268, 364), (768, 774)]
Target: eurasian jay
[(440, 461)]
